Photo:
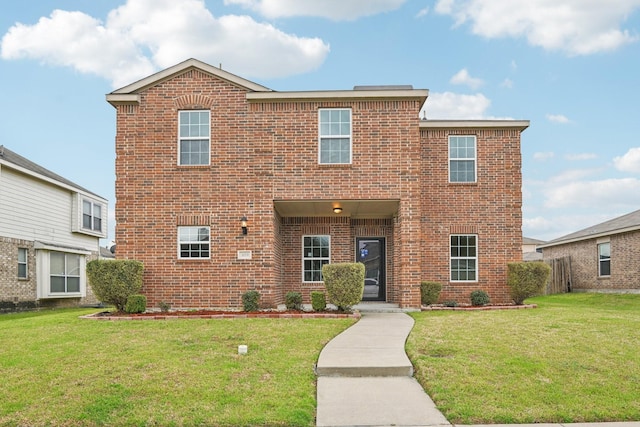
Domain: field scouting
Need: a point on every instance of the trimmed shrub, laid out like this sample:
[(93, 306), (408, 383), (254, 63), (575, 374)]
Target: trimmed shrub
[(318, 301), (293, 301), (251, 300), (113, 281), (136, 304), (450, 304), (164, 306), (344, 283), (430, 292), (479, 298), (526, 279)]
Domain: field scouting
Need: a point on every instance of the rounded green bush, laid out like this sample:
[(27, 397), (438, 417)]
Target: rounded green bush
[(293, 301), (479, 298), (251, 300), (318, 301), (113, 281), (527, 279), (344, 283), (136, 304), (430, 292)]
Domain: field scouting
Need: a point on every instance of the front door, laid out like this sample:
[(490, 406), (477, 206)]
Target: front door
[(371, 252)]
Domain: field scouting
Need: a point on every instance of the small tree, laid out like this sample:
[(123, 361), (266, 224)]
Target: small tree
[(113, 281), (526, 279), (344, 283)]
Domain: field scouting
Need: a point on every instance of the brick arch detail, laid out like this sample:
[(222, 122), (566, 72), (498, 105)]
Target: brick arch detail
[(193, 102)]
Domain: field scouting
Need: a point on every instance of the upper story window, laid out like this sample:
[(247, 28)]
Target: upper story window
[(464, 258), (315, 254), (604, 259), (193, 242), (335, 136), (23, 263), (462, 158), (194, 137), (91, 216)]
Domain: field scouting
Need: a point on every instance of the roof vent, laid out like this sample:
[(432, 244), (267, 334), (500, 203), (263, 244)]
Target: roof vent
[(384, 87)]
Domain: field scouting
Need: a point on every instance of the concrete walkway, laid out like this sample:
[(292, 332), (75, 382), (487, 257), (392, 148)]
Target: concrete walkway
[(366, 379)]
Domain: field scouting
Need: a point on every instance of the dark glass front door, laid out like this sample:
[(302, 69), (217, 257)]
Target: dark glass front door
[(370, 252)]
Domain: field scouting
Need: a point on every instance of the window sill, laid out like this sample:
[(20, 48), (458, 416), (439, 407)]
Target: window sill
[(65, 295)]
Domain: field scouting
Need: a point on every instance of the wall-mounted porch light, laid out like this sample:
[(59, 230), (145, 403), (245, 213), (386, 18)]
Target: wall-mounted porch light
[(337, 210), (243, 224)]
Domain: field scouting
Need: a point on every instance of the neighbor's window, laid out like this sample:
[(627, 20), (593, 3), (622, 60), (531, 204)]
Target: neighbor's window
[(22, 263), (464, 258), (193, 242), (462, 158), (315, 254), (64, 270), (91, 216), (604, 259), (194, 136), (335, 136)]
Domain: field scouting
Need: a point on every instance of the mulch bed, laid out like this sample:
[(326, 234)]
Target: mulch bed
[(213, 314)]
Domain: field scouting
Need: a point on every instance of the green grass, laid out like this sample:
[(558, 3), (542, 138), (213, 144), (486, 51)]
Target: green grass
[(576, 358), (57, 369)]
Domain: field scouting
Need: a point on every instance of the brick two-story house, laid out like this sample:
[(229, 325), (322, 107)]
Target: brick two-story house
[(223, 185)]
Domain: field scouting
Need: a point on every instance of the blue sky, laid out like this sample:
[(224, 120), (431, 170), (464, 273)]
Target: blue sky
[(571, 67)]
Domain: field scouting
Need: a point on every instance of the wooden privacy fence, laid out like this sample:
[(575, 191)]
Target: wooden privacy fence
[(560, 280)]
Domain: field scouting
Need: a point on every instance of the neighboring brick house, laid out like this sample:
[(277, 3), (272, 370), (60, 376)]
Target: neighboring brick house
[(314, 177), (49, 228), (604, 257)]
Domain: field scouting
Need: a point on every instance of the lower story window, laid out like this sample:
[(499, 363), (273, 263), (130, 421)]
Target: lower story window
[(315, 254), (193, 243), (604, 259), (23, 271), (64, 272), (464, 258)]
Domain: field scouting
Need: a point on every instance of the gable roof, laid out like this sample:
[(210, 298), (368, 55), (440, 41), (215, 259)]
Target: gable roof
[(531, 241), (621, 224), (255, 92), (15, 161), (129, 92)]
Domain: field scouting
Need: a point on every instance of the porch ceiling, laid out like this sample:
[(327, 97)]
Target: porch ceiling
[(350, 208)]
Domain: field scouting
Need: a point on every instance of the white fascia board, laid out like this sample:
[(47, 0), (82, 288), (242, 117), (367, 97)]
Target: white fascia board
[(338, 95), (470, 124)]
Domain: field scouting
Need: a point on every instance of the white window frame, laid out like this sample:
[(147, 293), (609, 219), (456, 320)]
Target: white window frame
[(310, 256), (25, 254), (604, 258), (185, 135), (473, 159), (466, 257), (43, 267), (93, 207), (327, 133), (78, 213), (194, 229)]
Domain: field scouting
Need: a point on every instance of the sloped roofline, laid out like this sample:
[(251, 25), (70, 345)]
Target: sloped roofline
[(129, 93), (257, 93), (622, 224), (23, 165)]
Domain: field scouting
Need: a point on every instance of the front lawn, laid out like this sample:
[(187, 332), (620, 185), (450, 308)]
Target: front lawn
[(576, 358), (58, 369)]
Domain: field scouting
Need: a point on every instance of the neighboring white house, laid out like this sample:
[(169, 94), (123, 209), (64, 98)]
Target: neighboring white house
[(530, 251), (49, 229)]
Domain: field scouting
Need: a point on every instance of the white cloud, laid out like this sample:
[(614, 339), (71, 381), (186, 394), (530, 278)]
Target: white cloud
[(143, 35), (629, 162), (423, 12), (576, 27), (541, 156), (507, 83), (580, 156), (336, 10), (463, 77), (589, 194), (450, 105), (557, 118)]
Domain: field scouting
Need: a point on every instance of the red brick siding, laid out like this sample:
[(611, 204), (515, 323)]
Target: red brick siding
[(625, 268), (266, 151)]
